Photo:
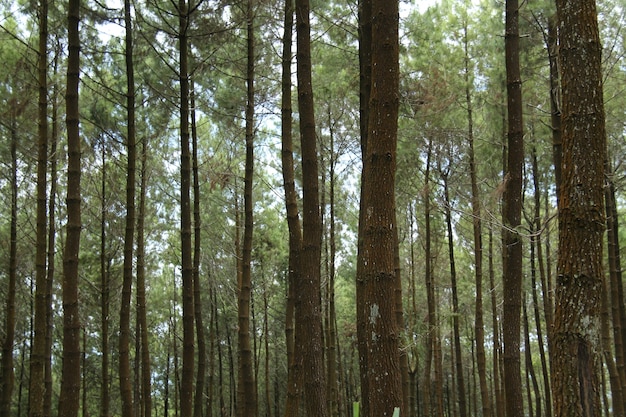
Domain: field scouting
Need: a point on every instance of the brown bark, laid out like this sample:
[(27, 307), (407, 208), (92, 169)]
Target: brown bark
[(187, 383), (512, 207), (365, 81), (430, 298), (6, 366), (69, 399), (497, 347), (246, 385), (577, 348), (37, 388), (126, 393), (309, 315), (379, 230), (294, 377)]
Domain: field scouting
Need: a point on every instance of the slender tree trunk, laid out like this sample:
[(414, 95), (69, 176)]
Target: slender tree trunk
[(555, 101), (246, 385), (458, 359), (37, 389), (6, 367), (577, 349), (197, 287), (512, 208), (69, 398), (365, 81), (308, 316), (294, 376), (47, 403), (430, 299), (187, 384), (146, 373), (104, 298), (126, 391), (497, 348)]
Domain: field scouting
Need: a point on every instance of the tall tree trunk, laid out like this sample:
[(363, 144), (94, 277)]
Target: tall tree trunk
[(479, 325), (512, 209), (536, 244), (197, 286), (379, 229), (309, 315), (577, 349), (47, 402), (430, 299), (246, 384), (146, 373), (187, 384), (37, 388), (104, 297), (618, 311), (126, 392), (69, 398), (294, 376), (555, 101), (530, 369), (497, 347), (458, 358), (6, 367), (365, 85)]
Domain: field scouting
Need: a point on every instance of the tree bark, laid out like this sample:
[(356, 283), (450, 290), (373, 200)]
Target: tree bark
[(69, 398), (379, 230), (309, 316), (512, 208), (577, 348), (126, 392), (246, 385), (37, 389)]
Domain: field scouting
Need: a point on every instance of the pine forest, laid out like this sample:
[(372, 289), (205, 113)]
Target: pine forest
[(320, 208)]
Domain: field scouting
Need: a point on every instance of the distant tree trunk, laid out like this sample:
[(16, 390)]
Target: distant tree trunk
[(377, 270), (536, 244), (69, 398), (618, 312), (47, 403), (187, 383), (294, 376), (576, 344), (197, 286), (512, 208), (6, 368), (309, 315), (555, 101), (246, 385), (430, 298), (365, 85), (126, 392), (37, 390), (530, 368), (458, 358), (497, 347), (146, 373), (104, 297)]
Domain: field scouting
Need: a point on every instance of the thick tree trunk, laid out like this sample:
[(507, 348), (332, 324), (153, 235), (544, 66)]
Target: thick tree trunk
[(512, 208), (309, 315), (577, 350), (69, 398), (379, 230), (246, 385)]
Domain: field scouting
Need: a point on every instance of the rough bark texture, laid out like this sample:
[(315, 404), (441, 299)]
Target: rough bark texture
[(246, 385), (512, 207), (69, 399), (379, 228), (576, 343), (309, 315)]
